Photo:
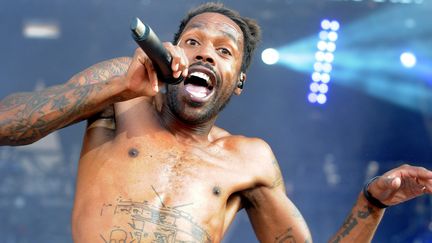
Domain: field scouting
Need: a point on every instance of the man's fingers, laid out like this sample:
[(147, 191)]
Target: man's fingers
[(426, 185), (152, 76), (179, 62), (419, 172)]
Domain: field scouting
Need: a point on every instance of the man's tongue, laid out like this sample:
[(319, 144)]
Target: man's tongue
[(196, 91)]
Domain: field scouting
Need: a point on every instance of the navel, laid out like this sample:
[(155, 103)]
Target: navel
[(216, 191), (133, 152)]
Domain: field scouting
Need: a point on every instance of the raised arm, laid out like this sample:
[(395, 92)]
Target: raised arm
[(26, 117), (394, 187)]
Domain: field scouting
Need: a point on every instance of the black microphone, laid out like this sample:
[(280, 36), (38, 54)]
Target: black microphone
[(152, 46)]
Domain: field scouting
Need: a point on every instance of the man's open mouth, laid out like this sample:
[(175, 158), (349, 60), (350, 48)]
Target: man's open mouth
[(199, 84)]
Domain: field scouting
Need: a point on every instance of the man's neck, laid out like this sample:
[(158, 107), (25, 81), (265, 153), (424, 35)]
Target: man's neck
[(186, 132)]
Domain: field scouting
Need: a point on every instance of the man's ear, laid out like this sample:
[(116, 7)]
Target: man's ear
[(240, 83)]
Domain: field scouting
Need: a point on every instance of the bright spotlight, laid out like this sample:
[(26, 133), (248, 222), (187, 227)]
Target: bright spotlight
[(323, 88), (322, 45), (314, 87), (331, 47), (321, 99), (332, 36), (323, 35), (319, 56), (329, 57), (325, 77), (324, 58), (270, 56), (327, 67), (316, 76), (334, 25), (312, 97), (408, 59), (325, 24)]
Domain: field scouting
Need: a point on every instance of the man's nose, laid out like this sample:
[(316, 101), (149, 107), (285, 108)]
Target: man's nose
[(205, 56)]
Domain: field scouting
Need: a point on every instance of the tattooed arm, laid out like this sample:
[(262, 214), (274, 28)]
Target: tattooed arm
[(396, 186), (361, 223), (26, 117), (273, 215)]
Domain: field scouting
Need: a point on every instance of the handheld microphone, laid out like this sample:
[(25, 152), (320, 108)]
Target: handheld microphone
[(152, 46)]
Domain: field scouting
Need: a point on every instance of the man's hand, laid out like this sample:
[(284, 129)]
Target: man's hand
[(141, 76), (401, 184)]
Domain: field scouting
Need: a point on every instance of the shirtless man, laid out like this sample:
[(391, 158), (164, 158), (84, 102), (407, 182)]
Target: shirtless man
[(153, 166)]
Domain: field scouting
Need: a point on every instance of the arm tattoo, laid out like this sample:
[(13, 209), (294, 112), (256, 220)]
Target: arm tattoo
[(352, 221), (285, 237), (288, 237), (278, 179), (27, 117)]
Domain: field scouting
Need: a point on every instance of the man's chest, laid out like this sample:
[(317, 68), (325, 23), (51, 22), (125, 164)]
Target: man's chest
[(172, 173)]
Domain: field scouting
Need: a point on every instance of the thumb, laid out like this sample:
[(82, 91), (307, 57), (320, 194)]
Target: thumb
[(388, 186), (391, 182), (395, 183)]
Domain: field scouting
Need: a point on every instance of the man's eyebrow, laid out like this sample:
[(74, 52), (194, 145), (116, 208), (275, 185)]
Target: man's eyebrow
[(198, 25)]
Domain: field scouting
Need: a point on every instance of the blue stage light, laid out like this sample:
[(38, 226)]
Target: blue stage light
[(321, 99), (312, 97), (324, 58), (408, 59), (325, 78)]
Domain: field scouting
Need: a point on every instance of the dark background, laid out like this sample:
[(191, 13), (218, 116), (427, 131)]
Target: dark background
[(326, 152)]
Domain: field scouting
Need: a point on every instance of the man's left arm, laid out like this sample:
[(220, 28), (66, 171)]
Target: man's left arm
[(394, 187), (273, 215)]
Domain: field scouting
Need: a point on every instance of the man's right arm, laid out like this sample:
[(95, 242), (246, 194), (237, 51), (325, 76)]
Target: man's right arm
[(27, 117)]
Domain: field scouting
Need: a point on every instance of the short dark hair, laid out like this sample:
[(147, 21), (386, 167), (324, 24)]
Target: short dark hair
[(249, 27)]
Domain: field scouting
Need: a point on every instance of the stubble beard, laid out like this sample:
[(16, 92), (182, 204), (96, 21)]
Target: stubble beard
[(206, 113)]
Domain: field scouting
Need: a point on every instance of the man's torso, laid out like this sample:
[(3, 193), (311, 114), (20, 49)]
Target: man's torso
[(140, 184)]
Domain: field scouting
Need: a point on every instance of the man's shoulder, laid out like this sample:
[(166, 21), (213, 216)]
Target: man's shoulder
[(253, 146), (257, 158)]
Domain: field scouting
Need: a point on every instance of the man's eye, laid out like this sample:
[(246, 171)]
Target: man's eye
[(192, 42), (225, 51)]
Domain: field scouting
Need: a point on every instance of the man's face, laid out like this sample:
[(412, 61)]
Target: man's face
[(213, 44)]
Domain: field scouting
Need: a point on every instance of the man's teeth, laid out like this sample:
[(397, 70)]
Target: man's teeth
[(201, 75)]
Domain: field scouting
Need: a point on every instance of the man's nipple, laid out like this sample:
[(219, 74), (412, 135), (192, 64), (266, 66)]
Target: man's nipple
[(133, 152)]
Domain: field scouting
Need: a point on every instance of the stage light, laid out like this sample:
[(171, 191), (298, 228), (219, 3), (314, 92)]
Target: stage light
[(323, 35), (314, 87), (316, 76), (334, 25), (325, 78), (324, 58), (312, 97), (321, 99), (323, 88), (332, 36), (270, 56), (322, 45), (372, 61), (319, 56), (331, 47), (327, 67), (408, 59), (325, 24), (40, 29), (329, 57), (318, 67)]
